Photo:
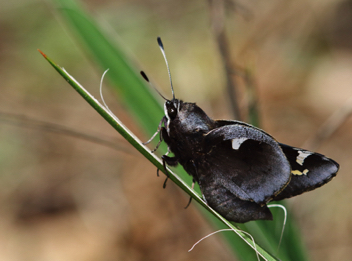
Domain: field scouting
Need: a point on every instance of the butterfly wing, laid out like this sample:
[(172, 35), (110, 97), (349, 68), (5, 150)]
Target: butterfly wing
[(309, 170), (230, 206), (245, 160)]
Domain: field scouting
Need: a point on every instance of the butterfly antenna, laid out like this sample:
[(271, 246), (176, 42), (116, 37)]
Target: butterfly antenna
[(147, 80), (160, 43)]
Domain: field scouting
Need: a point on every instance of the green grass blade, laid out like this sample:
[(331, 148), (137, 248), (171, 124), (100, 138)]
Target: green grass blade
[(130, 86)]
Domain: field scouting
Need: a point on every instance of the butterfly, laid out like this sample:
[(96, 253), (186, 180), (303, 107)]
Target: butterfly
[(239, 168)]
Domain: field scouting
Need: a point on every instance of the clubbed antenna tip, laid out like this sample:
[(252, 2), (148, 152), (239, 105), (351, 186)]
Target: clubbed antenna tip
[(160, 43), (144, 76)]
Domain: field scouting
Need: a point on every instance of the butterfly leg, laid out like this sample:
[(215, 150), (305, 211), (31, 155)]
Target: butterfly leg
[(163, 121), (189, 202), (190, 198), (171, 161), (164, 185), (168, 151), (157, 145)]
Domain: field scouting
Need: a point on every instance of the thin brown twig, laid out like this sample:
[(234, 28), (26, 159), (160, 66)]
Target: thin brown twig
[(330, 126), (253, 104), (217, 14), (27, 122)]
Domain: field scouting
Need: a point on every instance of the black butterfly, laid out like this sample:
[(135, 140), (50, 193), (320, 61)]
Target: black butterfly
[(238, 167)]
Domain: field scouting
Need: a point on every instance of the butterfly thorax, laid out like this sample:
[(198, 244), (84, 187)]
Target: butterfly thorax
[(186, 129)]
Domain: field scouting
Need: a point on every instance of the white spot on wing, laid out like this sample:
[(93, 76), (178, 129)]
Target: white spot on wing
[(236, 143), (302, 155)]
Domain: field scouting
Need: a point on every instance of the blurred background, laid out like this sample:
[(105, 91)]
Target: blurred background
[(65, 198)]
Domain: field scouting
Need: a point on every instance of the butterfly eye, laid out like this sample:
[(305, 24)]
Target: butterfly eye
[(171, 111)]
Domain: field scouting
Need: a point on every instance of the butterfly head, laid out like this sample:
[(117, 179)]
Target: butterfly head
[(172, 108)]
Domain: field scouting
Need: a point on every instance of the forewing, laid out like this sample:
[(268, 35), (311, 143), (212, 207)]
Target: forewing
[(246, 161), (309, 170)]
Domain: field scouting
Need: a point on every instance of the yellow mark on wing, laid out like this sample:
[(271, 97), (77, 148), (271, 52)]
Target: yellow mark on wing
[(299, 173)]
